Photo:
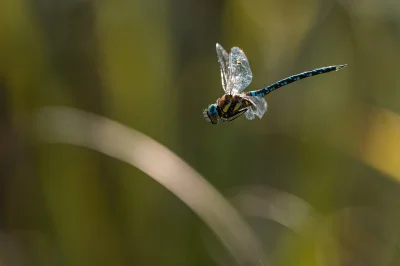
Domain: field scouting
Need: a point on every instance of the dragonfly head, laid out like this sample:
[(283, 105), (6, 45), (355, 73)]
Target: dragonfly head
[(211, 114)]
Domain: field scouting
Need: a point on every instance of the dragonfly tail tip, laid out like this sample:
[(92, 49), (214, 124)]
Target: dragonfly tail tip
[(340, 67)]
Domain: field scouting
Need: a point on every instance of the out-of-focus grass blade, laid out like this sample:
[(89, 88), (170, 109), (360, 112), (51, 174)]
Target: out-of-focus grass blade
[(76, 127)]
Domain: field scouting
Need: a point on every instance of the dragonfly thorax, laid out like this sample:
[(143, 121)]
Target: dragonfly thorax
[(227, 108), (232, 106)]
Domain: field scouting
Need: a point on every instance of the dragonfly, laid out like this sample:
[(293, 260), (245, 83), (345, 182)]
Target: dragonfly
[(236, 76)]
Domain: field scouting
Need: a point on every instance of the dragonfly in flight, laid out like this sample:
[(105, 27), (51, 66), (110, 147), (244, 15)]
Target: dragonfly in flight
[(236, 76)]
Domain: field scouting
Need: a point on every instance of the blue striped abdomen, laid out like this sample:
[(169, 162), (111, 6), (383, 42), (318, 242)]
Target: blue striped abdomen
[(291, 79)]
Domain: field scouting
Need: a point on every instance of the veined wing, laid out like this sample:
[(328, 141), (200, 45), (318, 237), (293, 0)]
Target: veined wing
[(258, 108), (223, 60), (240, 72)]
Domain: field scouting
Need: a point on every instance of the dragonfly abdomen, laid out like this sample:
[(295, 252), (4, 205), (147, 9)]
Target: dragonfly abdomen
[(291, 79)]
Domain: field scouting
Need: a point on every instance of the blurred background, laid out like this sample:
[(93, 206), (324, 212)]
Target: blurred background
[(316, 180)]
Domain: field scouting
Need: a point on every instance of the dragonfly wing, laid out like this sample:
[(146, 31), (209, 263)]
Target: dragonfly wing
[(258, 108), (223, 60), (240, 72), (250, 114)]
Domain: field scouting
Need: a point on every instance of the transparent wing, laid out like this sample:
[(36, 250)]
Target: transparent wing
[(258, 108), (240, 72), (223, 60)]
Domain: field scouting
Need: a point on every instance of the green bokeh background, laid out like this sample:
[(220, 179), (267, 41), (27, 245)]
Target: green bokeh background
[(152, 66)]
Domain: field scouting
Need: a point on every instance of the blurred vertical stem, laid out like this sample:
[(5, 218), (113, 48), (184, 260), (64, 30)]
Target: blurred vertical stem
[(74, 181), (22, 68), (136, 66), (6, 153)]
